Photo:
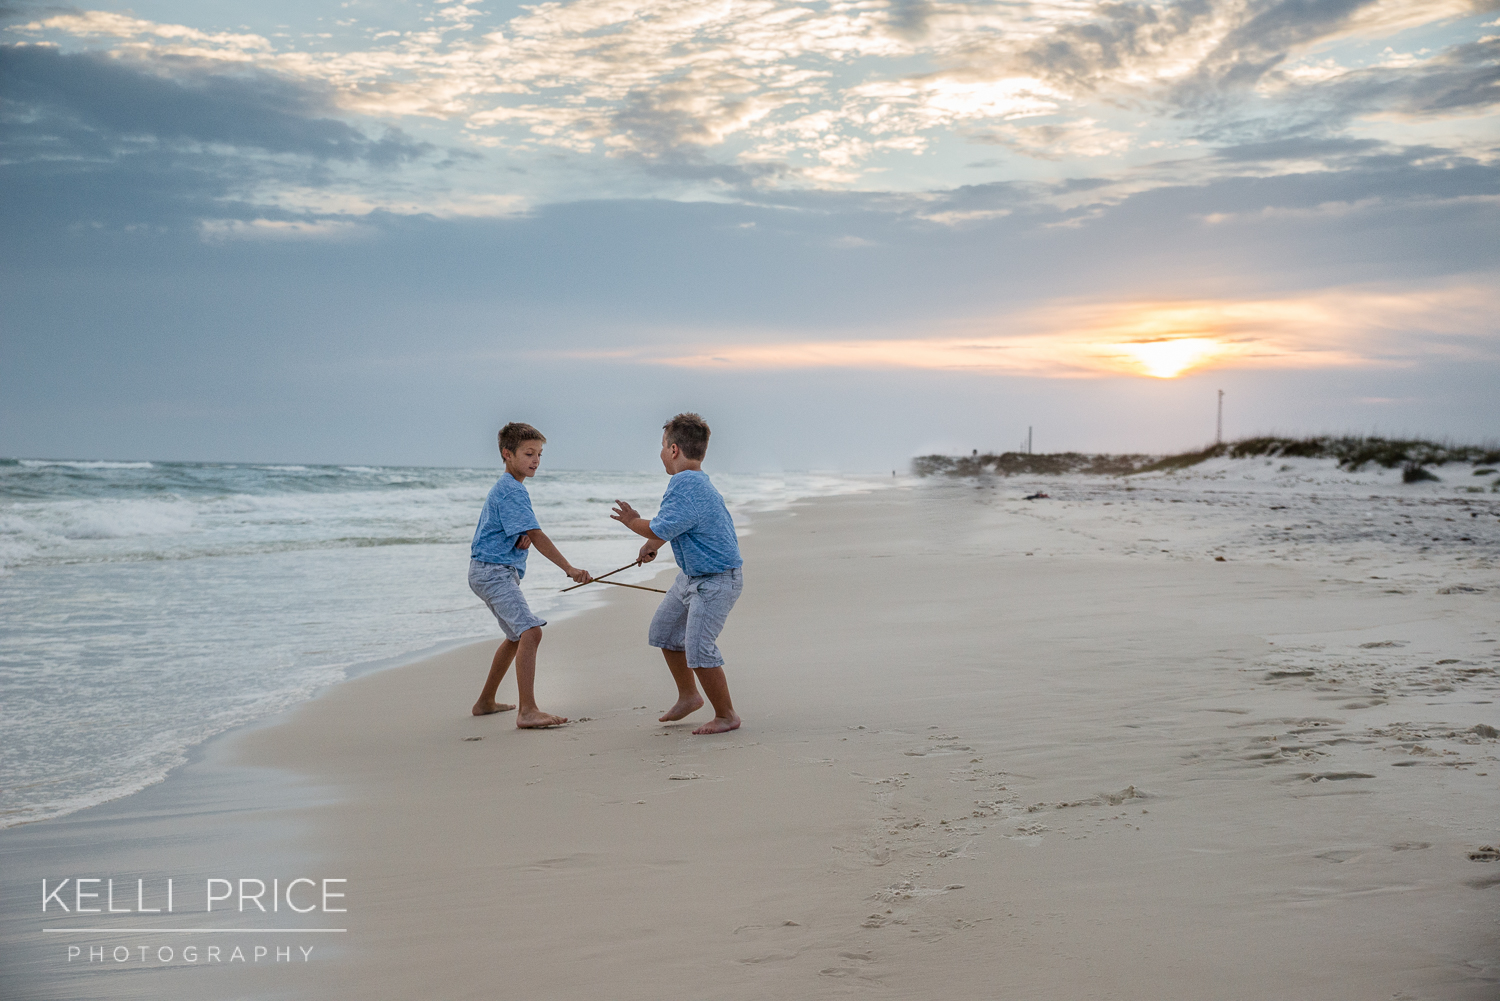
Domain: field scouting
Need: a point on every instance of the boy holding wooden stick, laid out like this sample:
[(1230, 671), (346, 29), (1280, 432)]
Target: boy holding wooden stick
[(686, 627), (507, 528)]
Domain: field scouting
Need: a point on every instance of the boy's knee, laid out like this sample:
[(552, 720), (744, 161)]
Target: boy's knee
[(532, 636)]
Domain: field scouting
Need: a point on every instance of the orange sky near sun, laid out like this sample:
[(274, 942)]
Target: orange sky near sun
[(1153, 339)]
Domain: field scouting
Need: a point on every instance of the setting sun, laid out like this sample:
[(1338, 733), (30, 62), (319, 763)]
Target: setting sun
[(1167, 358)]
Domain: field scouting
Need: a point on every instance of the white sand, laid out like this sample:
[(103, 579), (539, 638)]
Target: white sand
[(992, 749)]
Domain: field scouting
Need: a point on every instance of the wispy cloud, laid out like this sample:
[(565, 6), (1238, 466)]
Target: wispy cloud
[(1340, 328), (219, 230)]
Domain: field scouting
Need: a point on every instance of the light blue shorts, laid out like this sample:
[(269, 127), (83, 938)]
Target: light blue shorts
[(499, 585), (692, 615)]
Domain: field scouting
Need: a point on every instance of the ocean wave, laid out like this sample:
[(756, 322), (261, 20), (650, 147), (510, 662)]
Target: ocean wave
[(183, 511), (83, 464), (14, 552), (29, 530), (127, 519), (171, 527)]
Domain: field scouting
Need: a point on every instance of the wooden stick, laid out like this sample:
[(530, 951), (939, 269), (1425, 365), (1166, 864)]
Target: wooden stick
[(601, 577), (620, 583)]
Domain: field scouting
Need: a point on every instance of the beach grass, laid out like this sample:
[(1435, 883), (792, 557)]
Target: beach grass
[(1352, 452)]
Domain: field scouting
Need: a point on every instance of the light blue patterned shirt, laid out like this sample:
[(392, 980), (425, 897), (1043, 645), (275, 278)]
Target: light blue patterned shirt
[(506, 515), (695, 521)]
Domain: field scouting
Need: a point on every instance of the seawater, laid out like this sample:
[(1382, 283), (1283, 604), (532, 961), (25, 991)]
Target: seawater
[(147, 606)]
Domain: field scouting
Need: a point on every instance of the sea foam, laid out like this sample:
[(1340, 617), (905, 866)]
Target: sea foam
[(83, 464)]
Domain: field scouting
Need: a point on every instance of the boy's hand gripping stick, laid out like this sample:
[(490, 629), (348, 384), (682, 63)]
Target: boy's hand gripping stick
[(601, 577)]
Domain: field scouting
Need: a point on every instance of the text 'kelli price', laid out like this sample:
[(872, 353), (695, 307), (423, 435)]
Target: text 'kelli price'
[(89, 895)]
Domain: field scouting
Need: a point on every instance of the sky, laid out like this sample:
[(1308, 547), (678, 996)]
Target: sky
[(846, 233)]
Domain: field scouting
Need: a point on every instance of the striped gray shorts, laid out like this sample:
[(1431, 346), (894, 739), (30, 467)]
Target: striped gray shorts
[(692, 615), (499, 585)]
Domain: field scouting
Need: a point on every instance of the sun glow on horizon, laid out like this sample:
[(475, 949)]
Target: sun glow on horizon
[(1146, 339), (1168, 358)]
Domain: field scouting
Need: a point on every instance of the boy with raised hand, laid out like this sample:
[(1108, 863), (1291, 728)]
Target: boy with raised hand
[(507, 528), (693, 518)]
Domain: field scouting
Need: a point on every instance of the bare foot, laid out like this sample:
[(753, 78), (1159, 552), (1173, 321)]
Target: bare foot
[(485, 708), (720, 724), (535, 719), (684, 707)]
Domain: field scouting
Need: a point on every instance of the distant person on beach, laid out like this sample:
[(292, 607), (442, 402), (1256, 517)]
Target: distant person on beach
[(686, 627), (507, 528)]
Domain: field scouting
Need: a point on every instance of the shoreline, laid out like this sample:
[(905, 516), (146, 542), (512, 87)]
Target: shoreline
[(184, 815), (180, 612), (196, 753), (962, 765)]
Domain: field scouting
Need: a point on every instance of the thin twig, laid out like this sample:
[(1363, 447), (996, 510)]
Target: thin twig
[(618, 583), (601, 577)]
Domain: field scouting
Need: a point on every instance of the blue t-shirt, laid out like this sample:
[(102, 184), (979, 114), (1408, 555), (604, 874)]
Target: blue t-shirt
[(506, 514), (694, 519)]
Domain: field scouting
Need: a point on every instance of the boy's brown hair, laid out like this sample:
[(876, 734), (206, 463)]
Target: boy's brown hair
[(688, 432), (514, 434)]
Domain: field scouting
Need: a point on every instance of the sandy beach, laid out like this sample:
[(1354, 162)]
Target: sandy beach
[(992, 749)]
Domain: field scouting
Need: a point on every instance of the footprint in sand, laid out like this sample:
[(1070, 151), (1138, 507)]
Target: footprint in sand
[(849, 969)]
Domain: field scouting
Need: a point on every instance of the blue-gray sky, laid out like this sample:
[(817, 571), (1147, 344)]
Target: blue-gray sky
[(846, 232)]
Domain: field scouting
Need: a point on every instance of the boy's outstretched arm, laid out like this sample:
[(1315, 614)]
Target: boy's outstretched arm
[(546, 547), (631, 519)]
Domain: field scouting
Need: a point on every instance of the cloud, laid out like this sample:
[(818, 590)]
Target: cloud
[(813, 95), (1282, 178), (1321, 149), (111, 140), (1271, 32), (106, 105), (1193, 51), (177, 126), (216, 230), (96, 23), (1340, 328), (1461, 80), (1084, 137)]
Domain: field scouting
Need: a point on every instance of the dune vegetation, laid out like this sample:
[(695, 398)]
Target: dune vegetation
[(1352, 452)]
